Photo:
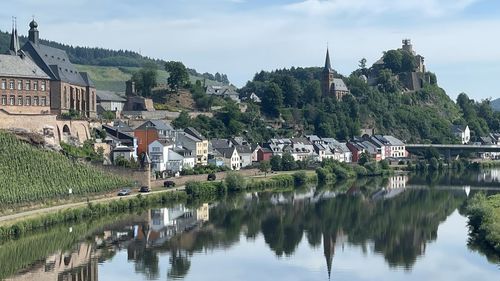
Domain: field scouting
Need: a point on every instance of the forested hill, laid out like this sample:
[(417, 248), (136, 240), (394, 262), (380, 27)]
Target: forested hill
[(496, 104), (414, 116), (105, 57)]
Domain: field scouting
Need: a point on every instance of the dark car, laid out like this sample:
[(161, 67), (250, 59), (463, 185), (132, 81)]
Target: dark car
[(168, 184), (211, 177), (145, 189), (124, 192)]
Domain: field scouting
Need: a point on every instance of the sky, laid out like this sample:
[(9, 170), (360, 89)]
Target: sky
[(242, 37)]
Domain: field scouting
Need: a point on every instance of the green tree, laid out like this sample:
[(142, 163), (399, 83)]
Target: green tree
[(287, 162), (393, 60), (363, 159), (265, 167), (408, 62), (235, 181), (272, 99), (146, 79), (276, 163), (362, 63), (312, 91), (178, 74), (182, 121)]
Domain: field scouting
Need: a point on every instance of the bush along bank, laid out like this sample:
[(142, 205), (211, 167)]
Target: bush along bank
[(235, 182), (332, 170), (91, 211), (484, 220)]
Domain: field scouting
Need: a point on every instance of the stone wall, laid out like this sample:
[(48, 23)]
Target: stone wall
[(139, 176), (37, 123)]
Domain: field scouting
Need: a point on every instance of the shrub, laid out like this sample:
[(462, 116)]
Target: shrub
[(300, 178), (235, 182)]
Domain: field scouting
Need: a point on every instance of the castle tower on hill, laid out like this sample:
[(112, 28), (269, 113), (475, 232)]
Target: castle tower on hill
[(330, 85)]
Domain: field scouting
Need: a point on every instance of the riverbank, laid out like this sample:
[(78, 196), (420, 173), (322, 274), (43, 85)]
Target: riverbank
[(21, 223), (484, 220)]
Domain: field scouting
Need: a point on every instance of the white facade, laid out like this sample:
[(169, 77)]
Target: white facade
[(233, 162), (158, 152), (112, 105)]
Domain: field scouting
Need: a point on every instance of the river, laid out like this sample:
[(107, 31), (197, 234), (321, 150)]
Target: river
[(398, 228)]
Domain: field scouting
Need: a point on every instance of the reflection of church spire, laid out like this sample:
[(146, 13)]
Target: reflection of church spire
[(329, 251)]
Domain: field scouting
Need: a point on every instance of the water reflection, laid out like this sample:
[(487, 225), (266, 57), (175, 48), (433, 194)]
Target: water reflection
[(393, 218)]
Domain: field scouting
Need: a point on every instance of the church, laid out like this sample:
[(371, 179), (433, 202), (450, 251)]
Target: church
[(331, 86), (69, 88), (39, 79)]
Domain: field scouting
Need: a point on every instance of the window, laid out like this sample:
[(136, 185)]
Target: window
[(28, 101), (12, 100), (65, 97), (4, 84), (35, 86), (43, 101), (28, 86), (156, 149), (19, 100), (43, 86), (4, 100), (11, 85), (35, 101), (20, 84)]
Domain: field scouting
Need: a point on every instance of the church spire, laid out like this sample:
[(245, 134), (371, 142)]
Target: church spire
[(328, 65), (14, 39), (329, 251)]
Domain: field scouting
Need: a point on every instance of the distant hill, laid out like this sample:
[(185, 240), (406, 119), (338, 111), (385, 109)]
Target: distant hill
[(126, 60), (112, 78), (496, 104)]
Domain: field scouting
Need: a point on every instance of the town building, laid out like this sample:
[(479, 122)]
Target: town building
[(223, 92), (70, 89), (230, 157), (264, 154), (330, 85), (24, 86), (462, 133), (109, 101), (158, 152), (191, 139)]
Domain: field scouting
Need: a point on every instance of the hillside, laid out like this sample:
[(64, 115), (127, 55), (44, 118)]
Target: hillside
[(24, 180), (495, 104), (124, 60), (112, 78)]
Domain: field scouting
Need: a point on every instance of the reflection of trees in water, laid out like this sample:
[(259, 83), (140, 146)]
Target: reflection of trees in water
[(179, 264), (399, 228)]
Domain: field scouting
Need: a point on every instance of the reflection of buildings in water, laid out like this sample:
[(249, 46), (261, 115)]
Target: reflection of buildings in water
[(162, 224), (329, 243), (79, 265), (395, 186), (492, 175), (398, 181)]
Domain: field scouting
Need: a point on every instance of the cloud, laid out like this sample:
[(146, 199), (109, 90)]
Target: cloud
[(428, 8)]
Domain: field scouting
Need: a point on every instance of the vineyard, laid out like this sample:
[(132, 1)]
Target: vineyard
[(28, 174)]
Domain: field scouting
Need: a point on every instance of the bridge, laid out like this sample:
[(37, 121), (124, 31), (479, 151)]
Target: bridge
[(452, 149)]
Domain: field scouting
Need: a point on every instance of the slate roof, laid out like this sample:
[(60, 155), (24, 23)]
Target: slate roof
[(157, 124), (220, 143), (394, 141), (244, 149), (226, 152), (109, 96), (339, 85), (458, 129), (17, 66), (193, 132), (55, 62)]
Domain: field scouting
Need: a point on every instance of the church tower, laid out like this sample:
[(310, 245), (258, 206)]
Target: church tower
[(33, 35), (14, 40), (327, 75)]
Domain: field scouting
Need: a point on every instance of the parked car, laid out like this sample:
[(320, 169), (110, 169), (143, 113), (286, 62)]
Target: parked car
[(168, 184), (124, 192), (145, 189), (211, 177)]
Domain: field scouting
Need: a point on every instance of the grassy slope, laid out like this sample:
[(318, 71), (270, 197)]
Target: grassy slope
[(113, 78), (29, 175)]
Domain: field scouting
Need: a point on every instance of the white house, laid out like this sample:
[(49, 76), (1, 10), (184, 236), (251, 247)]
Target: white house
[(245, 152), (462, 133), (158, 152), (231, 157)]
